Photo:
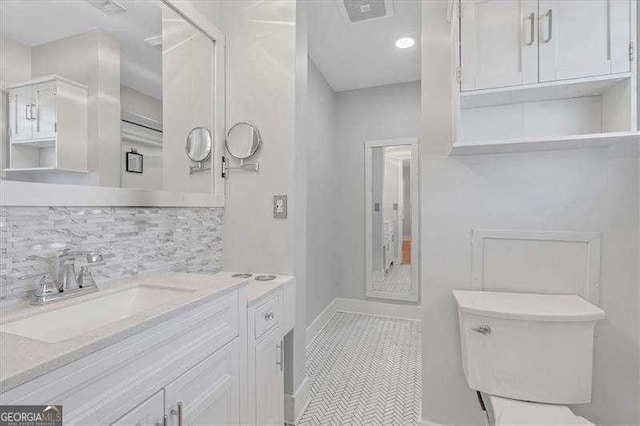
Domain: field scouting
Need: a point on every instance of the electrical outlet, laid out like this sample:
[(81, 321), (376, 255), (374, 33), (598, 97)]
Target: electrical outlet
[(279, 206)]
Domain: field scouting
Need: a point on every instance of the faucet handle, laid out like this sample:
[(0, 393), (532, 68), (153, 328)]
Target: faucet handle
[(46, 286), (94, 257)]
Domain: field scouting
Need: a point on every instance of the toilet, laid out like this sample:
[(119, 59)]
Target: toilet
[(527, 355)]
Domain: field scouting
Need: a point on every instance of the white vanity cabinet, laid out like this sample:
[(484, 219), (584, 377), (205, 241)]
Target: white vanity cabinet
[(516, 42), (47, 126), (186, 368), (267, 325), (150, 412)]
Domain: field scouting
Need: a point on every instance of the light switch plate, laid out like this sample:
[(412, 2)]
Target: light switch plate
[(279, 206)]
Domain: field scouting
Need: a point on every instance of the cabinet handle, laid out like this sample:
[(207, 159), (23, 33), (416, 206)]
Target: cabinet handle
[(279, 353), (37, 106), (165, 421), (178, 412), (269, 316), (27, 112), (16, 110), (549, 16), (532, 34)]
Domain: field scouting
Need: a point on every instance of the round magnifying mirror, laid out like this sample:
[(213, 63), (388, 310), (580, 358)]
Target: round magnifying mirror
[(199, 143), (243, 140)]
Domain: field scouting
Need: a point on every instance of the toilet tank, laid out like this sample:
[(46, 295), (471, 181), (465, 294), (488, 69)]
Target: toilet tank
[(531, 347)]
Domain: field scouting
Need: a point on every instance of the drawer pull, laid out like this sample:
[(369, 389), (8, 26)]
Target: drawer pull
[(178, 412), (269, 316)]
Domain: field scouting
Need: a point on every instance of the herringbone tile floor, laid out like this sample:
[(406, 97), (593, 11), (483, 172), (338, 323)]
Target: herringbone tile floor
[(364, 370)]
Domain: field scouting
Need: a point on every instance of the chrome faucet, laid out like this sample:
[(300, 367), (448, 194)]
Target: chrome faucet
[(64, 282)]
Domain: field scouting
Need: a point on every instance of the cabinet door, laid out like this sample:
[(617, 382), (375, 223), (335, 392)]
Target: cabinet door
[(148, 413), (269, 380), (209, 393), (498, 43), (583, 38), (20, 113), (44, 111)]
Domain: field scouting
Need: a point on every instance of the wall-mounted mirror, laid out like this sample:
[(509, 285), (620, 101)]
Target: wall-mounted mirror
[(86, 83), (243, 140), (391, 220)]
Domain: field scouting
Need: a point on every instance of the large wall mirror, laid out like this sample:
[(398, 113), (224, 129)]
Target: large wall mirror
[(391, 209), (105, 94)]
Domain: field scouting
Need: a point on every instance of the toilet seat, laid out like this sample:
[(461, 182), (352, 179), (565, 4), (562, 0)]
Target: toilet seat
[(504, 412)]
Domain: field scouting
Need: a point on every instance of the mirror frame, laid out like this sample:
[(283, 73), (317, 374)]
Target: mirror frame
[(255, 130), (414, 295), (17, 193)]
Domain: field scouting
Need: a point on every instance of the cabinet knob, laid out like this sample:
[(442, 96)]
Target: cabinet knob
[(483, 329)]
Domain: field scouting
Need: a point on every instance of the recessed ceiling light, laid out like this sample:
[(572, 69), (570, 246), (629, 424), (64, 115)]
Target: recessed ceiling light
[(405, 42)]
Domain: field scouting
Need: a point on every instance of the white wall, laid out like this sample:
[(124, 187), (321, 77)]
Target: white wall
[(386, 112), (321, 195), (266, 63), (575, 190)]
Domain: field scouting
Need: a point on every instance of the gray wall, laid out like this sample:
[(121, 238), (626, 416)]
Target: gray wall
[(386, 112), (321, 197), (574, 190)]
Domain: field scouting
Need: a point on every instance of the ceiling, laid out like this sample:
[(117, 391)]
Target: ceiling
[(358, 55), (34, 22)]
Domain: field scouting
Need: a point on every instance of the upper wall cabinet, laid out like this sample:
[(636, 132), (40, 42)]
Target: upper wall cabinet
[(47, 125), (543, 74), (493, 52), (509, 43)]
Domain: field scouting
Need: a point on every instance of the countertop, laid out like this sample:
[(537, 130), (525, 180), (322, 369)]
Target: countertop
[(23, 359), (257, 290)]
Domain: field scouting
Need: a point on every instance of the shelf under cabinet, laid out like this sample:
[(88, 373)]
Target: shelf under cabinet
[(36, 143), (562, 89), (43, 169), (596, 140)]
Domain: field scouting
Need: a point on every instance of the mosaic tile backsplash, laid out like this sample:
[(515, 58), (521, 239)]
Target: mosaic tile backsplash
[(133, 240)]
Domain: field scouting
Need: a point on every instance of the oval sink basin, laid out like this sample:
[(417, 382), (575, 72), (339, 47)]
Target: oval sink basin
[(71, 321)]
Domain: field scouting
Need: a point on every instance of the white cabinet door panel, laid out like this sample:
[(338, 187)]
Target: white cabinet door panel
[(269, 379), (44, 112), (209, 392), (583, 38), (498, 43), (20, 106), (148, 413)]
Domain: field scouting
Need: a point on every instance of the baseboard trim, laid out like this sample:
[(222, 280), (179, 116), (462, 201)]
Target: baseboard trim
[(295, 404), (320, 321), (410, 312)]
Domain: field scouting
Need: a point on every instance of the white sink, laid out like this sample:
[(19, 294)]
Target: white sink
[(71, 321)]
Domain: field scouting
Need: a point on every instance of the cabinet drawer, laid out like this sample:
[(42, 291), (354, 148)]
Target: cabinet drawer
[(267, 315)]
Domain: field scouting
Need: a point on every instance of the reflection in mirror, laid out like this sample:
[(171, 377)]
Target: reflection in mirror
[(391, 243), (243, 140), (85, 85), (199, 143)]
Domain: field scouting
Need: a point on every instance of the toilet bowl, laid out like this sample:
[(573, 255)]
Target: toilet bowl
[(527, 355), (503, 412)]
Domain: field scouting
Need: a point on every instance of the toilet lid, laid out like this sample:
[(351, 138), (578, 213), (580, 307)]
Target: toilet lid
[(514, 412)]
